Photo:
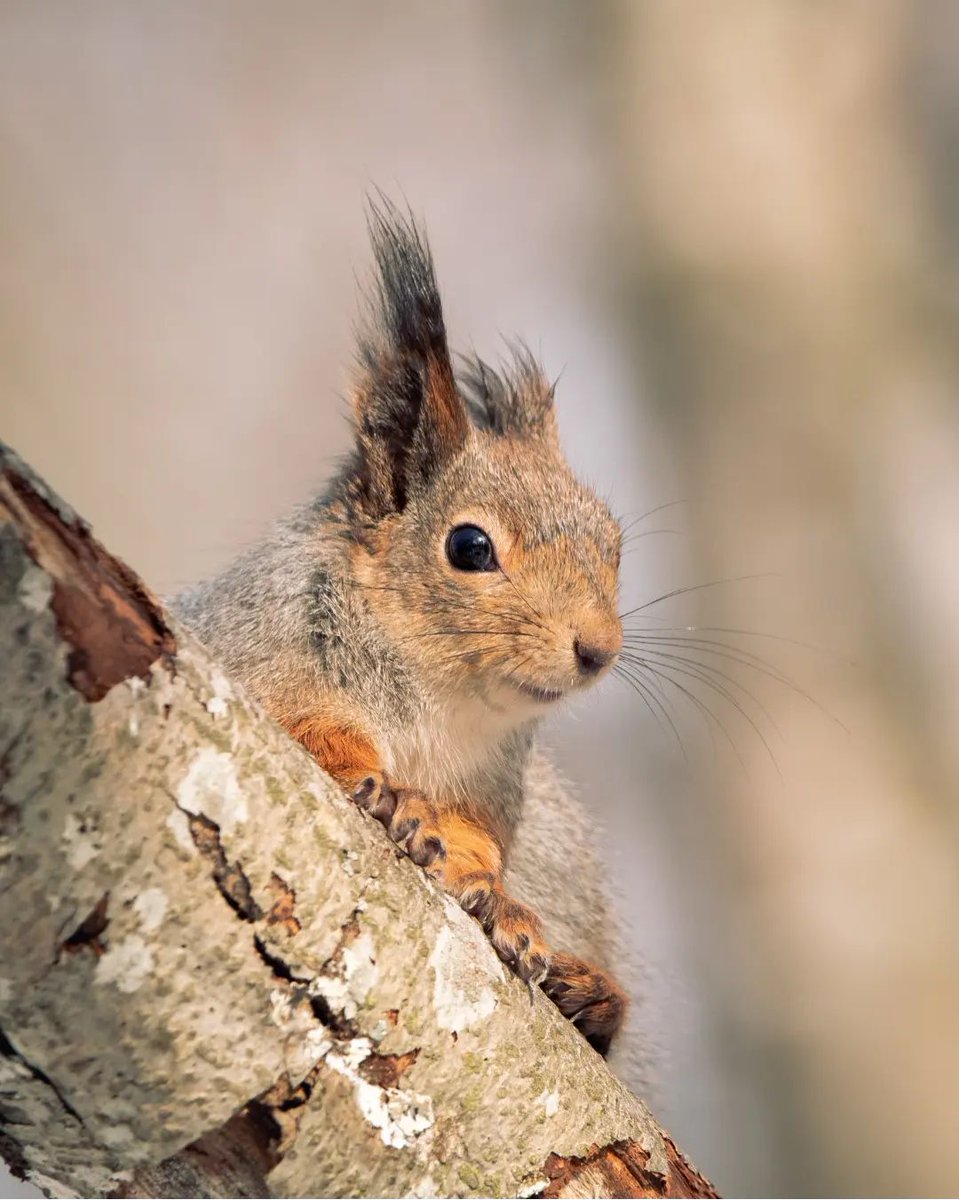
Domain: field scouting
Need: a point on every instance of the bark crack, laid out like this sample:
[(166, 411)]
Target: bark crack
[(9, 1051), (230, 878)]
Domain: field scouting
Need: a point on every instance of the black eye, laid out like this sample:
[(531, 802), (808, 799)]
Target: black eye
[(469, 549)]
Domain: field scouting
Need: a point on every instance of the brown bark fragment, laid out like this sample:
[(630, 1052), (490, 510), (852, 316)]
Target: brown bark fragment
[(111, 622), (622, 1169), (282, 911), (385, 1070), (88, 934), (685, 1180)]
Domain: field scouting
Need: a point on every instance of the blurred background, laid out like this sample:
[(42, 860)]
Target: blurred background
[(734, 228)]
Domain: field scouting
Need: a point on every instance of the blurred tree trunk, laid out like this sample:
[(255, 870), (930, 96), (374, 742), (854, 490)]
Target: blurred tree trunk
[(785, 284)]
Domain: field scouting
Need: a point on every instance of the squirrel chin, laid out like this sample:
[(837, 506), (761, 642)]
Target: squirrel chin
[(540, 695)]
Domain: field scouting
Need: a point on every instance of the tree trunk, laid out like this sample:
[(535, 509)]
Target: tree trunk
[(218, 977), (788, 216)]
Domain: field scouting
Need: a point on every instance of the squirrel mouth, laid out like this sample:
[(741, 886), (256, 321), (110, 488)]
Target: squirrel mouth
[(543, 695)]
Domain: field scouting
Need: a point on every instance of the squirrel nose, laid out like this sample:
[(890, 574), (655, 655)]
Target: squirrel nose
[(592, 657)]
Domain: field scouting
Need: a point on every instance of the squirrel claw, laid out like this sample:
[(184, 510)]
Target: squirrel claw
[(517, 937), (374, 795), (587, 997), (364, 790), (413, 826)]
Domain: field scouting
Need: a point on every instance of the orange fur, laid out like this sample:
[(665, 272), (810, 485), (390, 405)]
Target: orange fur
[(343, 751), (449, 420), (465, 856), (474, 848)]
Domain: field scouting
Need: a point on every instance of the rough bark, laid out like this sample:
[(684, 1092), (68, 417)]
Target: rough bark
[(219, 978)]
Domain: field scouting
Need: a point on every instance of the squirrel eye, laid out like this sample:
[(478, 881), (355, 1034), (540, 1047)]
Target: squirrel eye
[(469, 549)]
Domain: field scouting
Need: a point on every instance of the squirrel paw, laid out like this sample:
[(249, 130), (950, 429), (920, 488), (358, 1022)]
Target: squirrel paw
[(414, 825), (465, 860), (516, 933), (587, 997), (370, 791)]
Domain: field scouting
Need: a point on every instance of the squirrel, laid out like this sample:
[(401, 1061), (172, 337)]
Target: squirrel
[(412, 625)]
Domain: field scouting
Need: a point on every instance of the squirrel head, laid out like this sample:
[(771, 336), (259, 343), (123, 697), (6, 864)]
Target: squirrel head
[(479, 551)]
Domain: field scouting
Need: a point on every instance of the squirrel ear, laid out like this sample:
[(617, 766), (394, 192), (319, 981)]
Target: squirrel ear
[(411, 419), (516, 402)]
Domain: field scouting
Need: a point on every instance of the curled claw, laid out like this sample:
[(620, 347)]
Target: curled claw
[(364, 791), (403, 828), (413, 825), (424, 849), (374, 795)]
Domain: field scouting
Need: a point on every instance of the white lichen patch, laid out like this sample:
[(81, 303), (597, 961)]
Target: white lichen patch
[(116, 1135), (354, 1052), (401, 1118), (179, 825), (356, 975), (219, 703), (223, 693), (35, 590), (292, 1018), (464, 967), (316, 1045), (81, 840), (549, 1101), (150, 909), (127, 964), (211, 789), (535, 1187), (425, 1188)]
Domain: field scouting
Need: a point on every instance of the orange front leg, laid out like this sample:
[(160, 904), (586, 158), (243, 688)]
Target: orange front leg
[(346, 753), (466, 859)]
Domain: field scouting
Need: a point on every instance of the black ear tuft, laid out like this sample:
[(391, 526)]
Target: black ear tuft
[(410, 417), (408, 308), (514, 402)]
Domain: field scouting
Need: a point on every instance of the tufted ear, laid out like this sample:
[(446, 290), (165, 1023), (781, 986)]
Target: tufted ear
[(516, 402), (410, 418)]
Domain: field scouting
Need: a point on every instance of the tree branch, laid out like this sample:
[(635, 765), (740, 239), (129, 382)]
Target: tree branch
[(218, 977)]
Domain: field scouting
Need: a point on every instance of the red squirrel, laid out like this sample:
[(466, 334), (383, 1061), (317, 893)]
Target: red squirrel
[(414, 623)]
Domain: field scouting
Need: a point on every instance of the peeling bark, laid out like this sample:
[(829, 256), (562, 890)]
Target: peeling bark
[(218, 978), (622, 1169)]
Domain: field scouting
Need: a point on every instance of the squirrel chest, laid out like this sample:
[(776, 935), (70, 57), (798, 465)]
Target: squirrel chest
[(450, 745)]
